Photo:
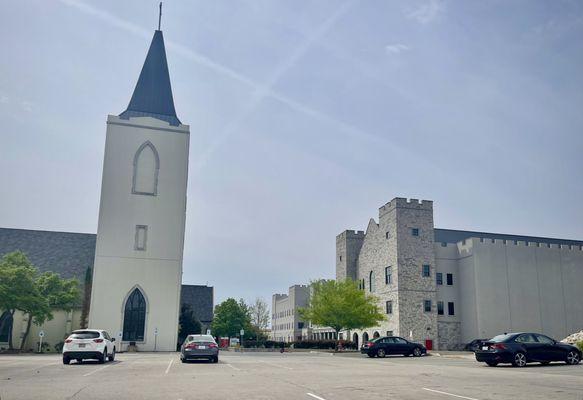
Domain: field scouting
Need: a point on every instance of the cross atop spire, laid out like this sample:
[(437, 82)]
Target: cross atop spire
[(153, 93), (160, 16)]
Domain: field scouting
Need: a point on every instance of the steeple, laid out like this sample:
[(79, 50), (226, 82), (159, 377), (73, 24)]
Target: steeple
[(153, 93)]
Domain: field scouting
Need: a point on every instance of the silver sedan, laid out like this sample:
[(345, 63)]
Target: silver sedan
[(199, 346)]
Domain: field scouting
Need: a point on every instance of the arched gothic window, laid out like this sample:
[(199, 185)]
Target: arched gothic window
[(146, 166), (371, 282), (134, 317), (5, 326)]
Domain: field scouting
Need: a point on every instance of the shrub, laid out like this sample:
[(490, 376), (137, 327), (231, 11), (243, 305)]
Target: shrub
[(579, 344)]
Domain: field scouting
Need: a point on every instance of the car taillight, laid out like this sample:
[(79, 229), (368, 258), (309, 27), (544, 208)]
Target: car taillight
[(369, 344), (68, 340), (98, 340), (213, 346), (191, 346), (497, 346)]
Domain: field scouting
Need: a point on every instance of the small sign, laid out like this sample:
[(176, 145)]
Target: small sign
[(242, 332), (155, 331), (120, 334), (208, 331), (41, 334)]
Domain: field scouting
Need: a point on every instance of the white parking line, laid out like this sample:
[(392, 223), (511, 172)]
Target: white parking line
[(235, 368), (169, 365), (97, 370), (316, 397), (450, 394)]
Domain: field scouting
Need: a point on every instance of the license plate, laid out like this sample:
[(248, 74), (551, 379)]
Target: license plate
[(81, 345), (202, 347), (484, 347)]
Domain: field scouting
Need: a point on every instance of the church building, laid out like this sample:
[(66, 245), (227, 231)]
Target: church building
[(135, 261)]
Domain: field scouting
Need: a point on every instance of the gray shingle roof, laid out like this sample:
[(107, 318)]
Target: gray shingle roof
[(200, 298), (66, 253)]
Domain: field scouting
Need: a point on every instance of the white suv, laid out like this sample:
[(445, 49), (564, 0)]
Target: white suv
[(88, 344)]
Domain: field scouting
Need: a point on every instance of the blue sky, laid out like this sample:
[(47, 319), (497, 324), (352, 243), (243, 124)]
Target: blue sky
[(305, 116)]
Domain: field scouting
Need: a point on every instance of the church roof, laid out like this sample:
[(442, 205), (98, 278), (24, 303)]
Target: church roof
[(153, 93)]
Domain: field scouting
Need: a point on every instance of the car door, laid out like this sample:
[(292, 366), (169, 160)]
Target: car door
[(402, 346), (388, 344), (108, 342), (551, 350), (534, 349)]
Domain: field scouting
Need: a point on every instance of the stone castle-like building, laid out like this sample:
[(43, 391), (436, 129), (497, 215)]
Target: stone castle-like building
[(447, 287)]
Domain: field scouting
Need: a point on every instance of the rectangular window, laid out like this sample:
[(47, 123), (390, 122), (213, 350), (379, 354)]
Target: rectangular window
[(141, 237), (389, 333), (440, 308), (415, 231), (426, 271), (427, 305), (300, 325), (389, 307), (387, 235), (439, 278), (449, 279), (340, 258), (388, 275), (450, 309)]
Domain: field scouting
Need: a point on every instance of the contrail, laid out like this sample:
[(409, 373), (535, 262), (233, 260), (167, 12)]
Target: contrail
[(260, 91)]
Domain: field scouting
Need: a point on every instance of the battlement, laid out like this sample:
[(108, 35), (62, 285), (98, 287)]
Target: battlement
[(350, 234), (279, 296), (401, 202), (520, 243)]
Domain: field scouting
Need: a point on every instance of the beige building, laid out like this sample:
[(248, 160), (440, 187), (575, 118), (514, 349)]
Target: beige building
[(447, 287), (286, 323)]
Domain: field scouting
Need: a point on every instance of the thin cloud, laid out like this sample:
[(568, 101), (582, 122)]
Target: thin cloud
[(426, 12), (396, 48)]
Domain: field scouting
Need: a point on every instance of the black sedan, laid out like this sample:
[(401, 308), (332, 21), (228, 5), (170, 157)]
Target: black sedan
[(519, 349), (474, 345), (383, 346)]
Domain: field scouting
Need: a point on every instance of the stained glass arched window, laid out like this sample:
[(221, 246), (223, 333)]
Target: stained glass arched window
[(134, 317)]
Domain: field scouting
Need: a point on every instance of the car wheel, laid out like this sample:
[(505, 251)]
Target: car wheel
[(103, 357), (66, 360), (183, 360), (417, 352), (215, 359), (370, 355), (112, 355), (491, 363), (381, 353), (573, 358), (519, 359)]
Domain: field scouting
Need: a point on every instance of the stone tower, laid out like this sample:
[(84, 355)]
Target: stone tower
[(140, 237)]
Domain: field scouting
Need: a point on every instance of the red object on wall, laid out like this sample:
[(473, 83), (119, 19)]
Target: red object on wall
[(429, 344)]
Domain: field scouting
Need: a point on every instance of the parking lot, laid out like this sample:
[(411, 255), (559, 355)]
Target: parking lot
[(283, 376)]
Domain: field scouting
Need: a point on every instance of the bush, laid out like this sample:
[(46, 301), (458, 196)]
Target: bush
[(579, 344)]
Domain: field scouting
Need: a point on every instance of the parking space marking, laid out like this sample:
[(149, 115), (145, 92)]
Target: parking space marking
[(235, 368), (169, 365), (97, 370), (316, 397), (449, 394)]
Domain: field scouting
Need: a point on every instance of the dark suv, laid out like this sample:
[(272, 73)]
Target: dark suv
[(388, 345), (519, 349)]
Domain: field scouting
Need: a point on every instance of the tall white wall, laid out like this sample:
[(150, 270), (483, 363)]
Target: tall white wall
[(119, 267)]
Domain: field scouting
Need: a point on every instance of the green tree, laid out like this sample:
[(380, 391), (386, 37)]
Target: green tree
[(188, 323), (23, 289), (341, 305), (230, 317)]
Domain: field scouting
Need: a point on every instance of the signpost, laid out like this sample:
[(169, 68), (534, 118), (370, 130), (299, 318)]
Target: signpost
[(241, 333), (155, 337), (41, 335), (208, 331), (119, 337)]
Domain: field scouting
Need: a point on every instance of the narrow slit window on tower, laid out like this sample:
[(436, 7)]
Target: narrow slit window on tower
[(426, 271), (141, 237), (415, 231), (388, 275), (427, 305)]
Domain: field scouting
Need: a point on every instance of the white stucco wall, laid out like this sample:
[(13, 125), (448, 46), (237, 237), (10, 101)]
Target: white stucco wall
[(119, 267)]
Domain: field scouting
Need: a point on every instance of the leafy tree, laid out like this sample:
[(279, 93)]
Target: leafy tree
[(23, 289), (341, 305), (230, 317), (259, 311), (188, 323)]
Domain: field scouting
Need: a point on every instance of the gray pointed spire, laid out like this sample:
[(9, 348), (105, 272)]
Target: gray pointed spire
[(153, 93)]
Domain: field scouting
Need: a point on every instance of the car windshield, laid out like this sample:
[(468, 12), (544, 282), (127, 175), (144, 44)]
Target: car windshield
[(84, 335), (500, 338), (201, 338)]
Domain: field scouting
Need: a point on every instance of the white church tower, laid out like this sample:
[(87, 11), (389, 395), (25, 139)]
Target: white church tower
[(140, 237)]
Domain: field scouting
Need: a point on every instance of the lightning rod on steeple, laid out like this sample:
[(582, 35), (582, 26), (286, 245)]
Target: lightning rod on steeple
[(160, 16)]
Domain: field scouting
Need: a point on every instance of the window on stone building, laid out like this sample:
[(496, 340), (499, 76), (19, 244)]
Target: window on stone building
[(450, 308), (300, 325), (389, 333), (426, 271), (389, 307), (449, 279), (388, 275), (5, 326), (427, 305), (141, 237), (440, 308), (387, 235), (415, 231), (340, 258), (439, 278), (371, 283)]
